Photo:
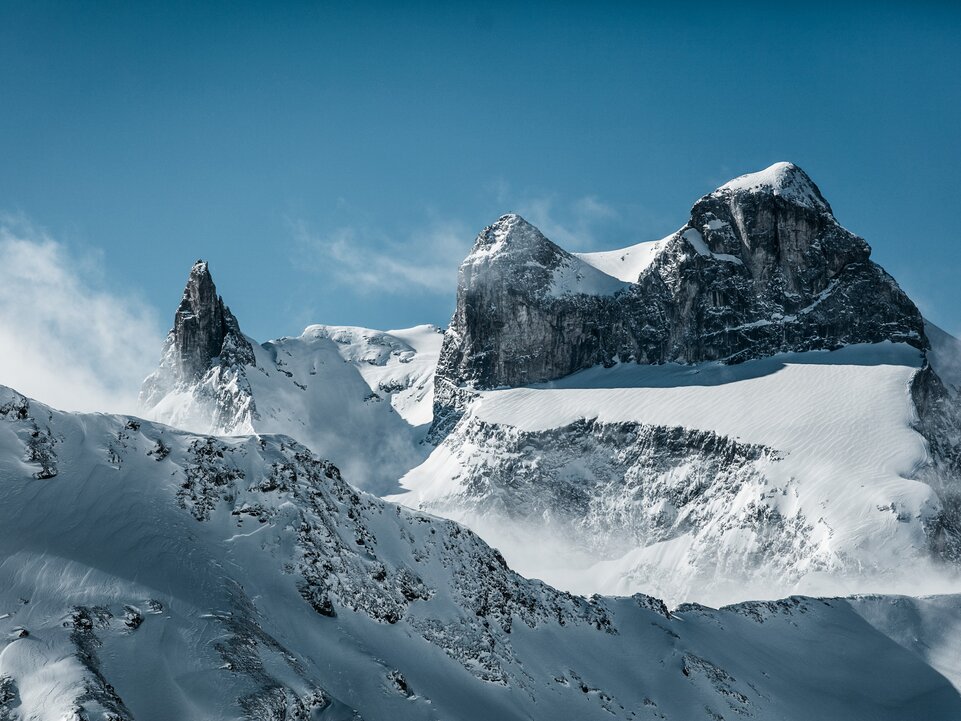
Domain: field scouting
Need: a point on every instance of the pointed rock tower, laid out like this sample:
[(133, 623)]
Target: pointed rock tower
[(205, 331), (204, 358)]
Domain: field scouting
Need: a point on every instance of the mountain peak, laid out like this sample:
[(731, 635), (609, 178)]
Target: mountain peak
[(512, 235), (783, 179), (205, 344), (204, 329), (511, 226)]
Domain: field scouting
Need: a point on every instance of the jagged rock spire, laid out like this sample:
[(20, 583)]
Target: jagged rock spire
[(204, 328), (205, 355)]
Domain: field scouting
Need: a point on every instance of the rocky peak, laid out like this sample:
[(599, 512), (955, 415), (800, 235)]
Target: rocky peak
[(204, 328), (510, 234), (779, 226), (761, 267), (206, 355), (512, 251), (782, 180)]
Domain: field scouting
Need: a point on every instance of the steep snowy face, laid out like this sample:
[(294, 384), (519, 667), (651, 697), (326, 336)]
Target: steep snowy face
[(626, 264), (815, 472), (783, 180), (761, 267), (361, 397), (150, 573)]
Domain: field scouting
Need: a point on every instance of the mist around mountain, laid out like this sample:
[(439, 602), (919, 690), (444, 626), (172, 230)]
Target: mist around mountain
[(732, 458)]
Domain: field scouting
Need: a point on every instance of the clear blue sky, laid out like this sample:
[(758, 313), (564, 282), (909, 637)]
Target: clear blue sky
[(333, 162)]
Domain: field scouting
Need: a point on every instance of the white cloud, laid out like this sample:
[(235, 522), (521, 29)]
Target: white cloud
[(365, 259), (368, 260), (578, 225), (64, 340)]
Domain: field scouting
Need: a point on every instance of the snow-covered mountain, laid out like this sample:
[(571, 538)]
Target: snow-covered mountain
[(150, 573), (761, 267), (358, 396), (748, 408)]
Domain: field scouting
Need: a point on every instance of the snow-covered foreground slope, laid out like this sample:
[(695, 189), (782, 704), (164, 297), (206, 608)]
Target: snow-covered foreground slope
[(150, 573), (707, 482), (361, 397)]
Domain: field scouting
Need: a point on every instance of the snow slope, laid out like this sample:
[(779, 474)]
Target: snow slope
[(361, 397), (150, 573), (782, 179), (808, 487), (624, 264)]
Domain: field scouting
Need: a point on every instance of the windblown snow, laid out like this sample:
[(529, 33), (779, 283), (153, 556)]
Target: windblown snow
[(840, 452), (361, 397), (148, 573)]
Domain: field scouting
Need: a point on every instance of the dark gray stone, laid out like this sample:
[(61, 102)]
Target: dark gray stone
[(204, 328), (206, 354), (756, 271)]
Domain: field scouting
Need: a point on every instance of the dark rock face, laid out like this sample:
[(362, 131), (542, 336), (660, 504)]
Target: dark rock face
[(205, 329), (939, 421), (761, 267), (631, 484), (206, 355), (773, 271)]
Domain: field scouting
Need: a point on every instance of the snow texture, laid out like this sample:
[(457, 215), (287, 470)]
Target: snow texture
[(161, 575), (359, 396)]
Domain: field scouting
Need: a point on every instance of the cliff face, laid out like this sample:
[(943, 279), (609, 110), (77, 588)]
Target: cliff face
[(205, 356), (761, 267), (205, 329)]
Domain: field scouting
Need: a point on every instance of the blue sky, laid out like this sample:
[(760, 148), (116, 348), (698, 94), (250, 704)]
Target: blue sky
[(334, 162)]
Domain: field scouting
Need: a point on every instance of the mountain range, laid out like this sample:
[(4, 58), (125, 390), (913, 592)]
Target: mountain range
[(732, 456)]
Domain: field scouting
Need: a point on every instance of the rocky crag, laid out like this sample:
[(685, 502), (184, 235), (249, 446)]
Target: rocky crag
[(204, 356), (694, 494), (761, 267)]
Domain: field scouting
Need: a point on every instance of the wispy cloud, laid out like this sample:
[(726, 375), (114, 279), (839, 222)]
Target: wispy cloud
[(64, 339), (573, 225), (364, 258), (369, 260)]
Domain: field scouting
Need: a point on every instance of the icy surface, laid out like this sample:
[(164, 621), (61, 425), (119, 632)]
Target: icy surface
[(838, 450), (625, 264), (148, 573), (575, 275), (783, 179)]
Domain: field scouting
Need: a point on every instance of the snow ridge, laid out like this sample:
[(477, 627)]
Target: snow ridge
[(242, 578), (785, 180)]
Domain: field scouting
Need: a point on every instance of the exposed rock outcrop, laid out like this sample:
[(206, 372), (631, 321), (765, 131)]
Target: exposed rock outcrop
[(205, 355), (204, 328), (761, 267)]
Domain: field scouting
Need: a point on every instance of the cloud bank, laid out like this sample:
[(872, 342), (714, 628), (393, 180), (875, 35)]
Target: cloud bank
[(65, 340)]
